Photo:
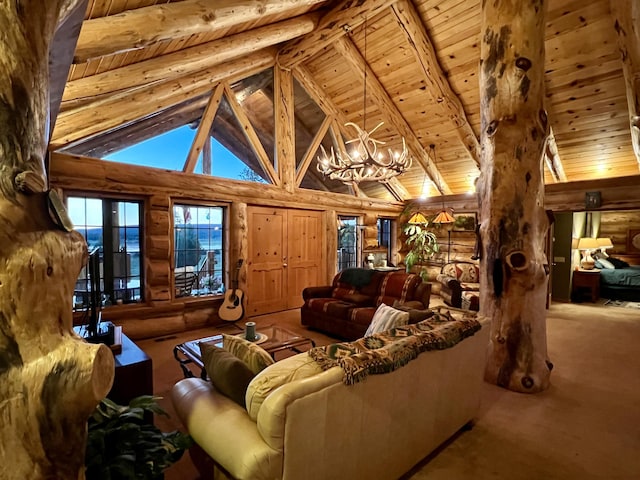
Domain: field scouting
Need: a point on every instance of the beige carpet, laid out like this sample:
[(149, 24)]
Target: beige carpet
[(586, 426)]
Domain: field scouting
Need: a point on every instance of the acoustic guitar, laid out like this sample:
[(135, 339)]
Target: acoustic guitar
[(232, 308)]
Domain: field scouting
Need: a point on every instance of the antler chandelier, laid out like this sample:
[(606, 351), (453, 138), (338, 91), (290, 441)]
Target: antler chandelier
[(365, 163)]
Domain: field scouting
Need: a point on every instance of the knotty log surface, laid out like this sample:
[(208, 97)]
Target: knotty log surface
[(513, 282), (50, 379)]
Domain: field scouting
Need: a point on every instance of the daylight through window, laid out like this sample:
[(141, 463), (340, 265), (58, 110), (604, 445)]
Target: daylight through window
[(114, 227), (198, 250)]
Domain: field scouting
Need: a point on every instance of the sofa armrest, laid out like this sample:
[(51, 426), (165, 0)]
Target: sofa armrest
[(423, 294), (272, 417), (224, 431), (447, 281), (324, 291)]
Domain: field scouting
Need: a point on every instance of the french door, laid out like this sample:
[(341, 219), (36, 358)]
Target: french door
[(285, 255)]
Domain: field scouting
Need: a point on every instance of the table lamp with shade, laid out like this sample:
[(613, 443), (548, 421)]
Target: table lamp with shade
[(587, 244), (604, 243)]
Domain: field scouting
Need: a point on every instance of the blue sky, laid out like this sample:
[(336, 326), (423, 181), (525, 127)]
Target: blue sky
[(170, 150)]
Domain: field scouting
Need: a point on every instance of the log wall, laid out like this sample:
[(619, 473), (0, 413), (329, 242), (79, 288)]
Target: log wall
[(161, 313)]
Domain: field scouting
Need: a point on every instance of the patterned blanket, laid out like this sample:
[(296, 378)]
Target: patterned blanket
[(386, 351)]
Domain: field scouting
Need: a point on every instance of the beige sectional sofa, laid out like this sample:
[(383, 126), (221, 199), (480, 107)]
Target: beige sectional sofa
[(310, 425)]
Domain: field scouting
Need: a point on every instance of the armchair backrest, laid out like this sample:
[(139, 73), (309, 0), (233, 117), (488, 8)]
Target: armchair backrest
[(466, 272), (398, 286)]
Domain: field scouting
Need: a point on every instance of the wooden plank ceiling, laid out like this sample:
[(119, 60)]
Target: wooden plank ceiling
[(142, 67)]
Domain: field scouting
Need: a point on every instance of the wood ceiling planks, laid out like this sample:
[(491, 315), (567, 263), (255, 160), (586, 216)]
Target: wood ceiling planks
[(585, 98)]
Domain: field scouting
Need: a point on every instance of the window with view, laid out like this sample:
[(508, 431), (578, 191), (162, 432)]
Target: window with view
[(386, 235), (348, 244), (114, 227), (198, 250)]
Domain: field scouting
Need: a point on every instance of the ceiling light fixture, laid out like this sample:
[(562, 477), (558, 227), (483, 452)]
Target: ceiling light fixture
[(443, 216), (365, 163), (418, 219)]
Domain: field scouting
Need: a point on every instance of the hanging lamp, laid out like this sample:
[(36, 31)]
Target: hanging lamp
[(443, 216)]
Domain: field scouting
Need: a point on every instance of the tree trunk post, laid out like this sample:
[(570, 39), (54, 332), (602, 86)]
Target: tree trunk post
[(513, 283), (50, 379)]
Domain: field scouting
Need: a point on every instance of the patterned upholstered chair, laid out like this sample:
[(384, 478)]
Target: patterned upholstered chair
[(460, 285)]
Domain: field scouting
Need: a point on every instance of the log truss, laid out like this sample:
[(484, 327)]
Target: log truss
[(117, 92)]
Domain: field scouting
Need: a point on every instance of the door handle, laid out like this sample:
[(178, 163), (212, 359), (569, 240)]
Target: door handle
[(284, 265)]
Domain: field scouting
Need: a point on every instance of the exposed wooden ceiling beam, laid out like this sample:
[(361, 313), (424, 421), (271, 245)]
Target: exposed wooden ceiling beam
[(552, 159), (379, 96), (312, 149), (189, 60), (144, 26), (626, 15), (396, 189), (251, 135), (61, 56), (437, 84), (165, 120), (336, 23), (204, 129), (126, 107)]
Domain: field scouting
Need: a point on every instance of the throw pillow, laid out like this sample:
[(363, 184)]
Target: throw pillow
[(254, 356), (606, 263), (228, 374), (285, 371), (386, 317)]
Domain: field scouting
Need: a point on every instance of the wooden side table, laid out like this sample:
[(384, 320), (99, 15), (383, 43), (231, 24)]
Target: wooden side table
[(586, 284), (133, 375)]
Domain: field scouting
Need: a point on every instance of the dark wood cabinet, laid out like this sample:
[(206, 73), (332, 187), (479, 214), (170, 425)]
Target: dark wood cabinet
[(585, 285), (133, 375)]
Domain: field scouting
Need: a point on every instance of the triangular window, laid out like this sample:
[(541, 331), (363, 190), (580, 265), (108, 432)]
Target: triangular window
[(309, 117), (313, 179), (227, 151), (255, 95)]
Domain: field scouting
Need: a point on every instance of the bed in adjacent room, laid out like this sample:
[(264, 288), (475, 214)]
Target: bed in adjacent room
[(620, 277)]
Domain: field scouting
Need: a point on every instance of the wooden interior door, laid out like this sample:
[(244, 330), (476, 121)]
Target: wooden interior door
[(266, 281), (305, 253), (285, 255)]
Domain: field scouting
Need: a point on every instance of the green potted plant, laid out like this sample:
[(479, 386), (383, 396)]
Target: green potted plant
[(423, 244), (123, 444)]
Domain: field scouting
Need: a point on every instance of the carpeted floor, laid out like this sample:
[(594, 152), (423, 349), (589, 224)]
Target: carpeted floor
[(584, 427)]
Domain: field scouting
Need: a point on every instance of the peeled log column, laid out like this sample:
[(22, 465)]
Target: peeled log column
[(50, 379), (513, 283)]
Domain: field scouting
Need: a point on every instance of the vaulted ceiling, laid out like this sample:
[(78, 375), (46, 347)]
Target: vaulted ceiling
[(142, 67)]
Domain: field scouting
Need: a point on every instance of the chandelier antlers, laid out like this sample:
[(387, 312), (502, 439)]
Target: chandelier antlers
[(365, 163)]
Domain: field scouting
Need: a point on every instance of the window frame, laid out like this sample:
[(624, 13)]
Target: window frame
[(107, 278), (224, 249), (357, 261)]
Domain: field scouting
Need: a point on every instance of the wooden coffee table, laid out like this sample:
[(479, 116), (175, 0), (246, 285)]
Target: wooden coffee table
[(278, 339)]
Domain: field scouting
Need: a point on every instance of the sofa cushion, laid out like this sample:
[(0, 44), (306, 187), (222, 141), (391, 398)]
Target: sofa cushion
[(254, 356), (385, 318), (228, 374), (362, 315), (359, 299), (285, 371), (398, 286)]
